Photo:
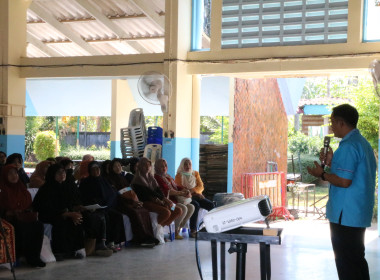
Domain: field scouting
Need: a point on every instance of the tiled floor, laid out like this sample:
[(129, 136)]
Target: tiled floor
[(305, 253)]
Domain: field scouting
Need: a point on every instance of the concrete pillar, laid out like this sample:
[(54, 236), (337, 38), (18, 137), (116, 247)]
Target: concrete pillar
[(12, 87), (123, 103), (196, 121), (230, 136), (178, 119)]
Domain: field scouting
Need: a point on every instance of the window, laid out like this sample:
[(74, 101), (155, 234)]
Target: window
[(283, 22), (371, 20)]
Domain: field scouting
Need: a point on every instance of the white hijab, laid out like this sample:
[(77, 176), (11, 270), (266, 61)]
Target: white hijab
[(188, 178)]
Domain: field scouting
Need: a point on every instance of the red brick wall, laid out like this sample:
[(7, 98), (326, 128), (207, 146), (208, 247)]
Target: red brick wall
[(260, 128)]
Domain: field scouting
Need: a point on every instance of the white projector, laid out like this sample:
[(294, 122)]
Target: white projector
[(237, 213)]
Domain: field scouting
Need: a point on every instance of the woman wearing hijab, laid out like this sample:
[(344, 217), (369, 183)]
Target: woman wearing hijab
[(149, 193), (129, 204), (58, 204), (17, 160), (175, 193), (38, 177), (68, 165), (191, 180), (16, 206), (95, 189)]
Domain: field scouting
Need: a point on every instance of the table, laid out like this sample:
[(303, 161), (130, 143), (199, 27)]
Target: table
[(305, 188), (239, 238)]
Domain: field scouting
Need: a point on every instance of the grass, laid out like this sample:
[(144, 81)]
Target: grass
[(320, 192)]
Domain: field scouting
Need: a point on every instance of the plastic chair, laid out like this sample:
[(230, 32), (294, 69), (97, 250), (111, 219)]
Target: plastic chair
[(170, 230)]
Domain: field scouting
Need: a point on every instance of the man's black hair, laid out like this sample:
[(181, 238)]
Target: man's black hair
[(347, 113)]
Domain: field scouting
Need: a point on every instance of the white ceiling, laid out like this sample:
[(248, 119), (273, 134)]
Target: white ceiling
[(57, 28)]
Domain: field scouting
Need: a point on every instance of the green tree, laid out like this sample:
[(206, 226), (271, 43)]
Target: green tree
[(154, 121), (220, 135), (209, 124), (47, 123), (367, 104), (360, 91)]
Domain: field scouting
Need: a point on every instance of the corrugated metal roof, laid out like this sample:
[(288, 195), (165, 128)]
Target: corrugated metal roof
[(125, 15), (323, 101)]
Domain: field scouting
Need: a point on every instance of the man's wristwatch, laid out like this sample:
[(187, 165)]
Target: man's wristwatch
[(323, 176)]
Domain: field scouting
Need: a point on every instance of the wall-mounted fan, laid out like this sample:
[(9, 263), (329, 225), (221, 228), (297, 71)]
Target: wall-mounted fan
[(374, 68), (155, 88)]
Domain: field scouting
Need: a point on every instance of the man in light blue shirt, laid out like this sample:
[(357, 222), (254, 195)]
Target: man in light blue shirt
[(351, 196)]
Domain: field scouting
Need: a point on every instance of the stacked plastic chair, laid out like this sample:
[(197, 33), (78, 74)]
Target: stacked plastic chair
[(133, 137)]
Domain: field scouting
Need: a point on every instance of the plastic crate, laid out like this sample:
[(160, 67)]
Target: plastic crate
[(154, 141), (155, 132)]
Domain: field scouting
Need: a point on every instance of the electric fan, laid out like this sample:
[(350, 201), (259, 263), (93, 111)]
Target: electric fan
[(155, 89)]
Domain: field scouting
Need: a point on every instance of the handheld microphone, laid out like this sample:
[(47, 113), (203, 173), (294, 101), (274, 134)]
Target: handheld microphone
[(326, 144)]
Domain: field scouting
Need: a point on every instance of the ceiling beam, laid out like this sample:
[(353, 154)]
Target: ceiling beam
[(109, 40), (91, 66), (41, 46), (104, 20), (142, 15), (149, 12), (64, 29)]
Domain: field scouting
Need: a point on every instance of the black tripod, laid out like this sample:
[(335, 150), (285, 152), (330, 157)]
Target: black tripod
[(2, 231)]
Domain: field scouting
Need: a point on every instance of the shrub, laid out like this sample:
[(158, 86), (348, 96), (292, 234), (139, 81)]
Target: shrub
[(300, 165), (299, 143), (44, 145), (77, 154)]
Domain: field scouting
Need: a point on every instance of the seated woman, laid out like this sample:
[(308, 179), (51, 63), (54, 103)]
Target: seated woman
[(16, 208), (129, 204), (38, 177), (177, 194), (148, 191), (58, 204), (17, 160), (96, 190), (191, 180)]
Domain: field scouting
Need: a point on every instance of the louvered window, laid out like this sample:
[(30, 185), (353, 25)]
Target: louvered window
[(260, 23)]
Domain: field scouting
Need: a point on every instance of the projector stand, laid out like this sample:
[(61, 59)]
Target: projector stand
[(239, 238), (241, 250)]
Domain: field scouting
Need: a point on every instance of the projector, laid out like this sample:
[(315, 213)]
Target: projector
[(237, 213)]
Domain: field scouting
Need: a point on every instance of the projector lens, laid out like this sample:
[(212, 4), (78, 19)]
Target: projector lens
[(265, 207)]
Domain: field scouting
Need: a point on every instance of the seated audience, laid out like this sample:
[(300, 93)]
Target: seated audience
[(16, 208), (129, 204), (149, 193), (38, 177), (17, 160), (96, 190), (176, 194), (191, 180), (59, 204)]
